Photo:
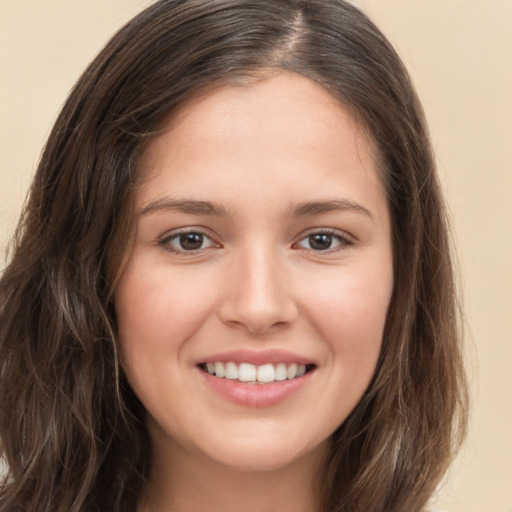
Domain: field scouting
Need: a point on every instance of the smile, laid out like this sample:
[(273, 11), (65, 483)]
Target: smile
[(257, 378), (251, 373)]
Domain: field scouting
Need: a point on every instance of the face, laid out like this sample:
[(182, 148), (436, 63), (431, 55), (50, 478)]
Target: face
[(252, 308)]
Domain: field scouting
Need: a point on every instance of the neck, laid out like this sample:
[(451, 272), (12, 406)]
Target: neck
[(192, 483)]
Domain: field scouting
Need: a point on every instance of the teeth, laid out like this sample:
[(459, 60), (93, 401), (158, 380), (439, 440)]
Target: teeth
[(292, 371), (281, 372), (245, 372), (231, 371), (266, 373), (219, 370)]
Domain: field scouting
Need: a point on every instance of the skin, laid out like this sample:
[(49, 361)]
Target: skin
[(258, 153)]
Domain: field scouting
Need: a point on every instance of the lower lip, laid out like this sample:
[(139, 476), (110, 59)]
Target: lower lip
[(256, 395)]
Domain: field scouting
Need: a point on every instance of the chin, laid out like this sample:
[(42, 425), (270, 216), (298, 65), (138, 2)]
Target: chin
[(261, 454)]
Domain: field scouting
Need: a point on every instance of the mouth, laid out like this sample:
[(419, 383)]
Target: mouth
[(248, 373)]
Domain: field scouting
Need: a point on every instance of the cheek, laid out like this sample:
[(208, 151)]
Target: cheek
[(348, 310), (159, 306), (158, 310)]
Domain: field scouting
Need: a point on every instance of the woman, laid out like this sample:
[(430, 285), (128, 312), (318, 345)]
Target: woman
[(232, 286)]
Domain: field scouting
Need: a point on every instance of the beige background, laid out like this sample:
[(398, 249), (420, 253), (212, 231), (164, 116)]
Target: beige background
[(460, 55)]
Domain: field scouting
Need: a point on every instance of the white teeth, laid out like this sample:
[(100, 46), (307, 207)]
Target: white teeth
[(301, 370), (266, 373), (219, 370), (292, 371), (246, 372), (231, 371), (281, 373)]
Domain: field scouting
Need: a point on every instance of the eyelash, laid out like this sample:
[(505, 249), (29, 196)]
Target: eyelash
[(168, 239), (344, 241)]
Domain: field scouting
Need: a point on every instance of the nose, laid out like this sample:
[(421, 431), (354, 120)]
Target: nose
[(258, 296)]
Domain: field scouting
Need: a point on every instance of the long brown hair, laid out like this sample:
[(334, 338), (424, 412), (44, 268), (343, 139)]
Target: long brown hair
[(72, 431)]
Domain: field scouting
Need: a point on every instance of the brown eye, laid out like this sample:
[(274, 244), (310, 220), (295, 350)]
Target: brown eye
[(320, 242), (187, 241), (324, 241), (191, 241)]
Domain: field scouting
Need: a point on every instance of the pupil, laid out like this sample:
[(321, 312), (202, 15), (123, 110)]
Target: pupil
[(191, 241), (320, 242)]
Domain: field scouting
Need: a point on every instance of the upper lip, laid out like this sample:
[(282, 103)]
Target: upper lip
[(256, 357)]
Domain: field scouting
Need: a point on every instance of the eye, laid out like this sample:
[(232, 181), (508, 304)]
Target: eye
[(187, 241), (324, 241)]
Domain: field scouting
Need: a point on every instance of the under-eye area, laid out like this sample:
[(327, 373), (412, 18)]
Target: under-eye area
[(256, 374)]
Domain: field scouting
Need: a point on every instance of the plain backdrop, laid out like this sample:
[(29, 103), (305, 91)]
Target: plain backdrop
[(459, 53)]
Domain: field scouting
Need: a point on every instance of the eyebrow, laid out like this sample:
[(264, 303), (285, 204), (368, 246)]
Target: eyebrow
[(305, 209), (185, 206), (332, 205)]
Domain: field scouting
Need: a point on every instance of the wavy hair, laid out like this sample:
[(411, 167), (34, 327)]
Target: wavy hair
[(72, 430)]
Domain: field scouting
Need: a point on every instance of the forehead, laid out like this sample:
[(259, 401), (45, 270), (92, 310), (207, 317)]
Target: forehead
[(284, 128), (271, 103)]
